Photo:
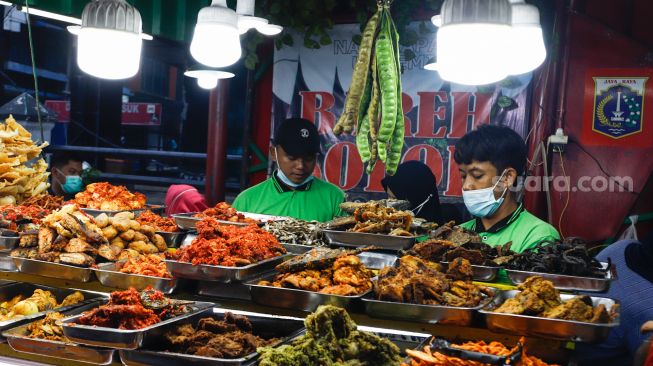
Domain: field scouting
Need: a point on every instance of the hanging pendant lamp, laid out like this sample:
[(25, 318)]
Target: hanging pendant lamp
[(472, 41), (110, 39)]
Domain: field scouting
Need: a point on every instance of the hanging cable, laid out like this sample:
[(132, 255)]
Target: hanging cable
[(562, 213), (36, 81)]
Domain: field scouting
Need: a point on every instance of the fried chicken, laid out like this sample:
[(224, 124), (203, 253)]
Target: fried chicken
[(346, 277), (539, 298), (414, 281)]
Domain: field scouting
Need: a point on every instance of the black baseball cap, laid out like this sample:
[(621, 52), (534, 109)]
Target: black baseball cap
[(297, 137)]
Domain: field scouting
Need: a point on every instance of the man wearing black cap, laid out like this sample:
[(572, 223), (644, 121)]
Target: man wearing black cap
[(292, 190)]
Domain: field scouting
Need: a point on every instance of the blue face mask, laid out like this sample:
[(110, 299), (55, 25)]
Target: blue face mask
[(283, 178), (72, 184), (481, 202)]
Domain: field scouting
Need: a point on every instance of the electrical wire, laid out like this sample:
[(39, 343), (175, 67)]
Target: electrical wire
[(598, 163), (11, 10), (562, 213), (36, 81)]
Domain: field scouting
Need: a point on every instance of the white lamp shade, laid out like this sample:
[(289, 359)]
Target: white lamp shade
[(473, 54), (215, 44), (207, 82), (528, 52), (108, 54)]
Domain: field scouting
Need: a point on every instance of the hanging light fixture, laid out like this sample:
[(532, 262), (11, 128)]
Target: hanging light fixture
[(472, 41), (207, 78), (216, 41), (110, 39), (247, 20), (527, 51)]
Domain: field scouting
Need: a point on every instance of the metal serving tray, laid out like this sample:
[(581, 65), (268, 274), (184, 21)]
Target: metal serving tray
[(296, 299), (548, 328), (7, 292), (8, 242), (18, 340), (387, 242), (205, 272), (173, 239), (109, 275), (7, 263), (376, 261), (238, 291), (186, 221), (433, 314), (55, 270), (154, 351), (297, 248), (119, 338), (481, 273), (570, 283), (157, 209)]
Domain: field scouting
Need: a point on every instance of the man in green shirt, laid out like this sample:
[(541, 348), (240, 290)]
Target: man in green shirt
[(490, 159), (292, 190)]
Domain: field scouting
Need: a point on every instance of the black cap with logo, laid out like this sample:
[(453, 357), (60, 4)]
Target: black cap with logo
[(297, 137)]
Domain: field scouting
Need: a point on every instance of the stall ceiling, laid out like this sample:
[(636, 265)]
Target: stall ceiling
[(164, 18)]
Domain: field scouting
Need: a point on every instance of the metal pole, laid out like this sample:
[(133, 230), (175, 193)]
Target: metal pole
[(216, 148), (247, 123)]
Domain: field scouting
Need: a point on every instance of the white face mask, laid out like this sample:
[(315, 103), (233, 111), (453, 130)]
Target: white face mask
[(481, 202)]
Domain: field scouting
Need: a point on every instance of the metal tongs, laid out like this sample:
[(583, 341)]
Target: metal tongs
[(444, 347)]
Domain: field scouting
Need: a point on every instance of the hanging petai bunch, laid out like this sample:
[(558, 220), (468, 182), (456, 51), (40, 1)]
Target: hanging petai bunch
[(373, 104)]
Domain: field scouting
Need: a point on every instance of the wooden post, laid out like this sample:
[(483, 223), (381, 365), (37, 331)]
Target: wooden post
[(216, 148)]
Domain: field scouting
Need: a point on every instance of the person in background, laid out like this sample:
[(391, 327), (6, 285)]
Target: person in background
[(65, 170), (182, 198), (414, 181), (292, 190), (633, 288), (490, 159)]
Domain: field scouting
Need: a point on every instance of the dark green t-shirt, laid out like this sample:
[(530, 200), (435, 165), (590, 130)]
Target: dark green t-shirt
[(317, 200)]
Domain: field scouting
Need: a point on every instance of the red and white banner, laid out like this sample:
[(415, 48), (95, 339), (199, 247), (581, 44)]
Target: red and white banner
[(133, 114), (311, 84)]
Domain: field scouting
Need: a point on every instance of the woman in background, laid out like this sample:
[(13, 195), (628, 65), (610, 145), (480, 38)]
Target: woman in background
[(414, 182)]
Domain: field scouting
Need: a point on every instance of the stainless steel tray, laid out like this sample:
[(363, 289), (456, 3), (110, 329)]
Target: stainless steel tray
[(173, 239), (433, 314), (377, 261), (7, 292), (387, 242), (55, 270), (154, 351), (238, 291), (186, 221), (481, 273), (119, 338), (544, 327), (297, 248), (9, 242), (157, 209), (296, 299), (109, 275), (19, 341), (205, 272), (571, 283), (7, 263)]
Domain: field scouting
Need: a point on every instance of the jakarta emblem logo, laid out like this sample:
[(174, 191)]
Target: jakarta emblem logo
[(618, 106)]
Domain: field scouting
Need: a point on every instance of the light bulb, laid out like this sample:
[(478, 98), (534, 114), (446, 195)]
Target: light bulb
[(528, 51), (108, 54), (207, 82), (269, 29), (216, 40), (472, 53)]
